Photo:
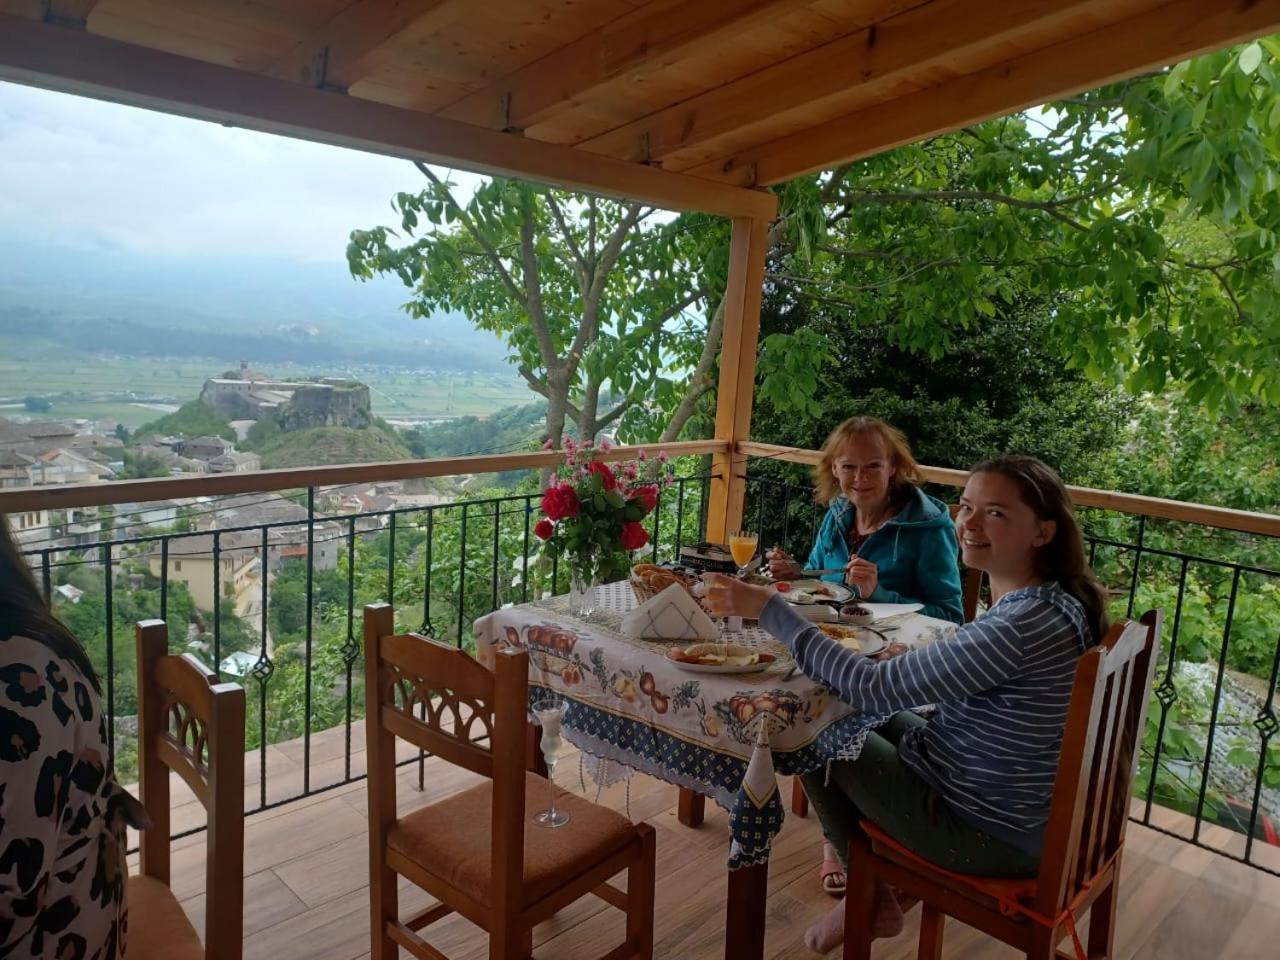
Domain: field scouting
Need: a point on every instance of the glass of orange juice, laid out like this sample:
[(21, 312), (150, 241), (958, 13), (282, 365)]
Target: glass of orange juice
[(742, 545)]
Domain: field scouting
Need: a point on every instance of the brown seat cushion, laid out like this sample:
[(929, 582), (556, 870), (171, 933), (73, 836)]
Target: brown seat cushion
[(451, 839), (158, 927)]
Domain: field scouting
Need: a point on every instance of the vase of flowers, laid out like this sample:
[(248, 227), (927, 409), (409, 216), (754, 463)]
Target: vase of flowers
[(592, 515)]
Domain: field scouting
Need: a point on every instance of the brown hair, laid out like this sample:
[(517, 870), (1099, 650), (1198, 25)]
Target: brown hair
[(24, 612), (1062, 559), (906, 472)]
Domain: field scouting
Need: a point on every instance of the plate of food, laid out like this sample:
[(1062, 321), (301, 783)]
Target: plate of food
[(720, 658), (862, 641), (812, 591)]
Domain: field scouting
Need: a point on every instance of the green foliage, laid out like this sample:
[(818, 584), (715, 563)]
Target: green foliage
[(137, 465), (319, 446), (192, 419)]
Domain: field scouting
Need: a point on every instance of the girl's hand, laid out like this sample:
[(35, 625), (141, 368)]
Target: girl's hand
[(781, 565), (862, 574), (730, 597)]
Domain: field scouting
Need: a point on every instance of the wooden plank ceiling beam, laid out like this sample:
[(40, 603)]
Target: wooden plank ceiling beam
[(872, 60), (77, 62), (644, 40), (345, 49), (1148, 41)]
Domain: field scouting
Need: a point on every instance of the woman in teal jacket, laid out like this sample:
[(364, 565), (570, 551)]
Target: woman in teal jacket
[(892, 542)]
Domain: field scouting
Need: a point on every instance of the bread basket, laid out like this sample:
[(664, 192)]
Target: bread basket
[(648, 580)]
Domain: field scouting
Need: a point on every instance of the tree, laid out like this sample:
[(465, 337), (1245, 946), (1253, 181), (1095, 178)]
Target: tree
[(138, 465), (589, 294), (1143, 212)]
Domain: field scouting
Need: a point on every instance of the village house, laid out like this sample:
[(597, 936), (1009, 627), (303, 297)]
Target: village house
[(191, 562)]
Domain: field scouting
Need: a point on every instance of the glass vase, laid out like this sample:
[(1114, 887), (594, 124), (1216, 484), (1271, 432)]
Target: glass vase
[(582, 593)]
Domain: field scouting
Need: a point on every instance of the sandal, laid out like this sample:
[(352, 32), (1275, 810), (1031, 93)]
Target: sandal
[(833, 878)]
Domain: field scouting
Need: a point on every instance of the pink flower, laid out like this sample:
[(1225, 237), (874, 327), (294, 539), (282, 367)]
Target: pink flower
[(634, 536), (560, 502), (662, 456), (642, 456), (543, 529), (604, 445), (631, 471), (549, 443)]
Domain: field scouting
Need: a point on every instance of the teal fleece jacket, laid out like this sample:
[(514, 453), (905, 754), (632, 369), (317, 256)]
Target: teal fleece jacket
[(915, 553)]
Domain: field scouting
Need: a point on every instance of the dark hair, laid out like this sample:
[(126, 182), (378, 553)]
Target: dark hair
[(24, 612), (1062, 559)]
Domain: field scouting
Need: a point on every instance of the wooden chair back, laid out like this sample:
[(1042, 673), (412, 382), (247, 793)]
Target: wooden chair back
[(1103, 733), (971, 581), (190, 723), (440, 699)]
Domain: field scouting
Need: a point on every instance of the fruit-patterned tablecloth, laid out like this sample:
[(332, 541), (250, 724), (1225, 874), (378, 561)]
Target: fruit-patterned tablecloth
[(722, 735)]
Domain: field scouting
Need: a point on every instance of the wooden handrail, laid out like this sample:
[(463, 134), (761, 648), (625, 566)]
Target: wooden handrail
[(168, 488), (1266, 524)]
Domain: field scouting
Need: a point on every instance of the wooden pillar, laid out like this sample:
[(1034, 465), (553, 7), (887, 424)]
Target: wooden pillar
[(736, 389)]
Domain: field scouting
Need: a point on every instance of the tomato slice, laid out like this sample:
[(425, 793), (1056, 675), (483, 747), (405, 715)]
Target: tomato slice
[(782, 586)]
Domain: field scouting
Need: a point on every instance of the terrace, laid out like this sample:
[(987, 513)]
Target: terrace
[(735, 97)]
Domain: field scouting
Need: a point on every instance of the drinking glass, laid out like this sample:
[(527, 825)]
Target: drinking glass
[(743, 547), (550, 714)]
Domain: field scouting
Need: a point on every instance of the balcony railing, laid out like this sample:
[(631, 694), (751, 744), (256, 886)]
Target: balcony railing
[(290, 630)]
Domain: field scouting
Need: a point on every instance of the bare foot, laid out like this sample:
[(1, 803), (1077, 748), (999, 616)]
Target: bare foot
[(828, 933)]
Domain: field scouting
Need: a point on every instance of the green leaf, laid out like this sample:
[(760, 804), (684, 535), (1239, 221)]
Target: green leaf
[(1250, 57)]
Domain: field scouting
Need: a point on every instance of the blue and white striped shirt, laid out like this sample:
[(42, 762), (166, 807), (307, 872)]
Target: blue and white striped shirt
[(1002, 686)]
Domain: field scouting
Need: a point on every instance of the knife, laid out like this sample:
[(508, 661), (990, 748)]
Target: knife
[(819, 573)]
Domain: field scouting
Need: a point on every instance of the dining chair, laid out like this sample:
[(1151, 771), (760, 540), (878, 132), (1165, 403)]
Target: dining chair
[(477, 852), (189, 723), (1084, 837)]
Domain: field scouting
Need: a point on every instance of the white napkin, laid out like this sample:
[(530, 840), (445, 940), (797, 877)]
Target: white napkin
[(671, 615), (817, 612)]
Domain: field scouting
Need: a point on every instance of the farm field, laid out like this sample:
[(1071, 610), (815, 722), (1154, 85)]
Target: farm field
[(102, 388)]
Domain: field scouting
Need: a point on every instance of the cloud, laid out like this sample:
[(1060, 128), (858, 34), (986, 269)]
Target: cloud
[(86, 173)]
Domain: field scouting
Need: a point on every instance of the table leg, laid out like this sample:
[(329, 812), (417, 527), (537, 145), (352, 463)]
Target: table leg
[(745, 915), (799, 799), (691, 808), (534, 760)]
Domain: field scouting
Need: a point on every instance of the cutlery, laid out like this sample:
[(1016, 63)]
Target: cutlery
[(819, 573)]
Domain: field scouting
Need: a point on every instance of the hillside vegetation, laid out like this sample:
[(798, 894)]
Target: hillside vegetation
[(324, 446), (192, 419)]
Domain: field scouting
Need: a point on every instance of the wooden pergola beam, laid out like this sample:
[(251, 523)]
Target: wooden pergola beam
[(871, 61), (1148, 41), (343, 50), (81, 63), (645, 39)]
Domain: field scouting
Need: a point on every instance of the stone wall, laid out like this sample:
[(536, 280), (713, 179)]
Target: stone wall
[(327, 405)]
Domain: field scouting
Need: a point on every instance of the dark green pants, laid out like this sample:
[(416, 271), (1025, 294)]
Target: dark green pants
[(879, 787)]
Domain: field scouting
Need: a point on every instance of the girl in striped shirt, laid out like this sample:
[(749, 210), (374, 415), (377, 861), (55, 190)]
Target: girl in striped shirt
[(969, 789)]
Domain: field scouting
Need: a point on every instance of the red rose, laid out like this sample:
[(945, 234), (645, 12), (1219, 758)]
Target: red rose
[(634, 536), (647, 495), (602, 471), (543, 529), (560, 502)]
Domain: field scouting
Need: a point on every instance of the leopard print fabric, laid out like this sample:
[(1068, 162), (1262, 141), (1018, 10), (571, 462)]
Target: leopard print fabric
[(62, 814)]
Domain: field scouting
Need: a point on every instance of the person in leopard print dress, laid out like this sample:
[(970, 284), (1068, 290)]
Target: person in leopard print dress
[(62, 813)]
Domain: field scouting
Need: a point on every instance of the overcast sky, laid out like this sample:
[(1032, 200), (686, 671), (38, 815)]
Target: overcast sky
[(78, 172)]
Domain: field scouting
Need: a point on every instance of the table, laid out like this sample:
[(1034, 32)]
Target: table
[(725, 736)]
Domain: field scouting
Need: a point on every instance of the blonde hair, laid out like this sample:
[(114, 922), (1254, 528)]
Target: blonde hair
[(906, 472)]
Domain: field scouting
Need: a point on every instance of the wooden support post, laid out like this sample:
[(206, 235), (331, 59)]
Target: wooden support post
[(736, 389)]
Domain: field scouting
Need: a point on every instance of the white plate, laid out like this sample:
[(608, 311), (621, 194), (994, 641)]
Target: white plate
[(868, 643), (766, 661), (884, 611), (839, 592)]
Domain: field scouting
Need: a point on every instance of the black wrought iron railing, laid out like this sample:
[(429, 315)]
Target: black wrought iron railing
[(1210, 755), (276, 606)]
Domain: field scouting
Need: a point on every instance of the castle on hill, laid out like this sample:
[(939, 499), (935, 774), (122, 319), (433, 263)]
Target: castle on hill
[(292, 404)]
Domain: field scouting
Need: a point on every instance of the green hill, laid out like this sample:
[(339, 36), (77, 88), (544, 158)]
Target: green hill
[(324, 446), (193, 419)]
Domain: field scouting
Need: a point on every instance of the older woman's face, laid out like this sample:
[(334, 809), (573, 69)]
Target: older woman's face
[(864, 469)]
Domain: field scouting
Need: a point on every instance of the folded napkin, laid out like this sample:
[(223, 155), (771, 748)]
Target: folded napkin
[(671, 615), (817, 612)]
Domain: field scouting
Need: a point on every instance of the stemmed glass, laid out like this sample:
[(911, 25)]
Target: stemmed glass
[(743, 547), (550, 714)]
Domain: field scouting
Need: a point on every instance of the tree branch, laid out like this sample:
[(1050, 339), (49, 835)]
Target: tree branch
[(533, 288), (945, 196), (579, 260), (700, 382)]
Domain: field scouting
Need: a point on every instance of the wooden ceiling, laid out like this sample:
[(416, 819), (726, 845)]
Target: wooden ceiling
[(681, 102)]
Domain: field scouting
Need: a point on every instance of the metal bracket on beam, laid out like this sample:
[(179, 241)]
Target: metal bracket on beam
[(504, 115)]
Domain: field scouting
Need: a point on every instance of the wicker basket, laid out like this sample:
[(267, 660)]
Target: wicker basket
[(648, 580)]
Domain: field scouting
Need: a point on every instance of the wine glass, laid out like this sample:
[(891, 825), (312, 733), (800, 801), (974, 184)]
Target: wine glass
[(743, 547), (550, 714)]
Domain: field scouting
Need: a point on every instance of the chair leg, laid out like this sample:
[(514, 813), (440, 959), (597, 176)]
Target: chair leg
[(799, 799), (1102, 924), (641, 880), (384, 907), (932, 923), (859, 900), (507, 941)]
